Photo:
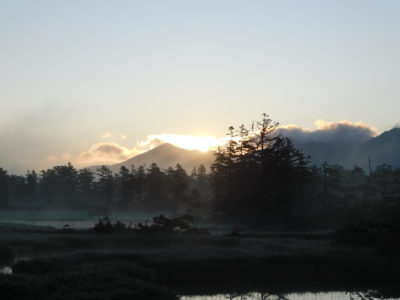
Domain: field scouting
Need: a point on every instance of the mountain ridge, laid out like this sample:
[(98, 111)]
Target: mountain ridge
[(167, 155), (382, 149)]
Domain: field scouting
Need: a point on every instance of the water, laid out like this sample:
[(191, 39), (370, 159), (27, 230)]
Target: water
[(290, 296), (74, 219), (6, 270)]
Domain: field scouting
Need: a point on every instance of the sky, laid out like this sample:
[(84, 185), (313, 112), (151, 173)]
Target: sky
[(79, 76)]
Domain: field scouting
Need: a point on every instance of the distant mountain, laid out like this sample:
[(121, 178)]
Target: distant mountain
[(167, 155), (383, 149)]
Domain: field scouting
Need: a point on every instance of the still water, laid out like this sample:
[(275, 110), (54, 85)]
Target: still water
[(6, 270), (74, 219), (291, 296)]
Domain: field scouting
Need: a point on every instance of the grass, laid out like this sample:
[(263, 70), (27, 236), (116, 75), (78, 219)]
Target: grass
[(74, 277), (118, 275), (6, 256), (136, 265)]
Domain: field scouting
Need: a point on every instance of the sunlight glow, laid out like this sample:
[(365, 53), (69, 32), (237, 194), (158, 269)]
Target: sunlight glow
[(189, 142)]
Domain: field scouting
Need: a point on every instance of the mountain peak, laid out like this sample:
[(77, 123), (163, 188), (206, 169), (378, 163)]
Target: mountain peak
[(168, 155), (389, 136), (166, 146), (395, 130)]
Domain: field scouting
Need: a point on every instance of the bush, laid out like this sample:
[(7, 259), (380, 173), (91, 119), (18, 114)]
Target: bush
[(6, 256), (104, 225)]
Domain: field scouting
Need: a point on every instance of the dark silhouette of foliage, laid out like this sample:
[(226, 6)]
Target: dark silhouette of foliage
[(161, 224), (178, 182), (177, 224), (6, 256), (258, 179), (105, 185), (85, 185), (3, 188), (104, 225)]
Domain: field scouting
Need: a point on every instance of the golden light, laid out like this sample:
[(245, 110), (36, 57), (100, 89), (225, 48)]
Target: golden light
[(189, 142)]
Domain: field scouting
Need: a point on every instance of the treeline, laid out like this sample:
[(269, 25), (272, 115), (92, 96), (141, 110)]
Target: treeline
[(100, 190), (259, 178)]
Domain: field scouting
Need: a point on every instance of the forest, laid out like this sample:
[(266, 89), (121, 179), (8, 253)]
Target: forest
[(259, 179), (262, 219)]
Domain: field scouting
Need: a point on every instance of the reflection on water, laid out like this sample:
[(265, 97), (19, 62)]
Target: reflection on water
[(6, 270), (292, 296), (74, 219)]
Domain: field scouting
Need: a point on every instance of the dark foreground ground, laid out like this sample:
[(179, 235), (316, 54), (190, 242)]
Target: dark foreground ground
[(48, 263)]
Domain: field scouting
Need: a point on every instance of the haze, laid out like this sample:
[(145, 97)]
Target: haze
[(78, 74)]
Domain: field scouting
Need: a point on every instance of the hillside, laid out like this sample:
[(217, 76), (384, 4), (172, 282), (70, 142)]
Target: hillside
[(167, 155), (383, 149)]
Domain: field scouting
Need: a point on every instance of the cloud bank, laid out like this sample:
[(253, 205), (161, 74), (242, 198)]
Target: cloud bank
[(110, 153), (27, 143), (341, 132), (106, 153), (188, 142)]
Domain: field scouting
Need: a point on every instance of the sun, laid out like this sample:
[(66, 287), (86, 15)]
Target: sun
[(188, 142), (201, 143)]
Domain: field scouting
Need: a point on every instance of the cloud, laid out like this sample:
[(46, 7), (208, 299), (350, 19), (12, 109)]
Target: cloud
[(29, 142), (123, 136), (111, 153), (105, 153), (189, 142), (329, 132), (340, 132)]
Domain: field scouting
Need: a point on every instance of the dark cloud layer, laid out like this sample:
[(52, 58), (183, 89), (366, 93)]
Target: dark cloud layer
[(342, 132), (29, 142)]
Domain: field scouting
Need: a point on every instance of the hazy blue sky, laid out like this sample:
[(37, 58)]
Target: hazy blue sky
[(71, 71)]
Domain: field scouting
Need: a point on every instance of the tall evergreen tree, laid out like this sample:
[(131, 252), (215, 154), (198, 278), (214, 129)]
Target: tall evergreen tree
[(4, 193), (105, 186), (85, 185), (178, 185)]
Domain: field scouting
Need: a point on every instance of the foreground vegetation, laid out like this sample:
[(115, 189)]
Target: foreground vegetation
[(259, 182), (136, 263), (258, 179)]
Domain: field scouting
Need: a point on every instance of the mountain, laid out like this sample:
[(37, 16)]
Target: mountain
[(383, 149), (167, 155)]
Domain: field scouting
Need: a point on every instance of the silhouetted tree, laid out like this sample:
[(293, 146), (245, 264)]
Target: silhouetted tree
[(155, 186), (3, 188), (85, 185), (125, 187), (17, 190), (105, 186), (32, 185), (66, 177), (178, 185), (259, 177), (140, 178), (49, 186)]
